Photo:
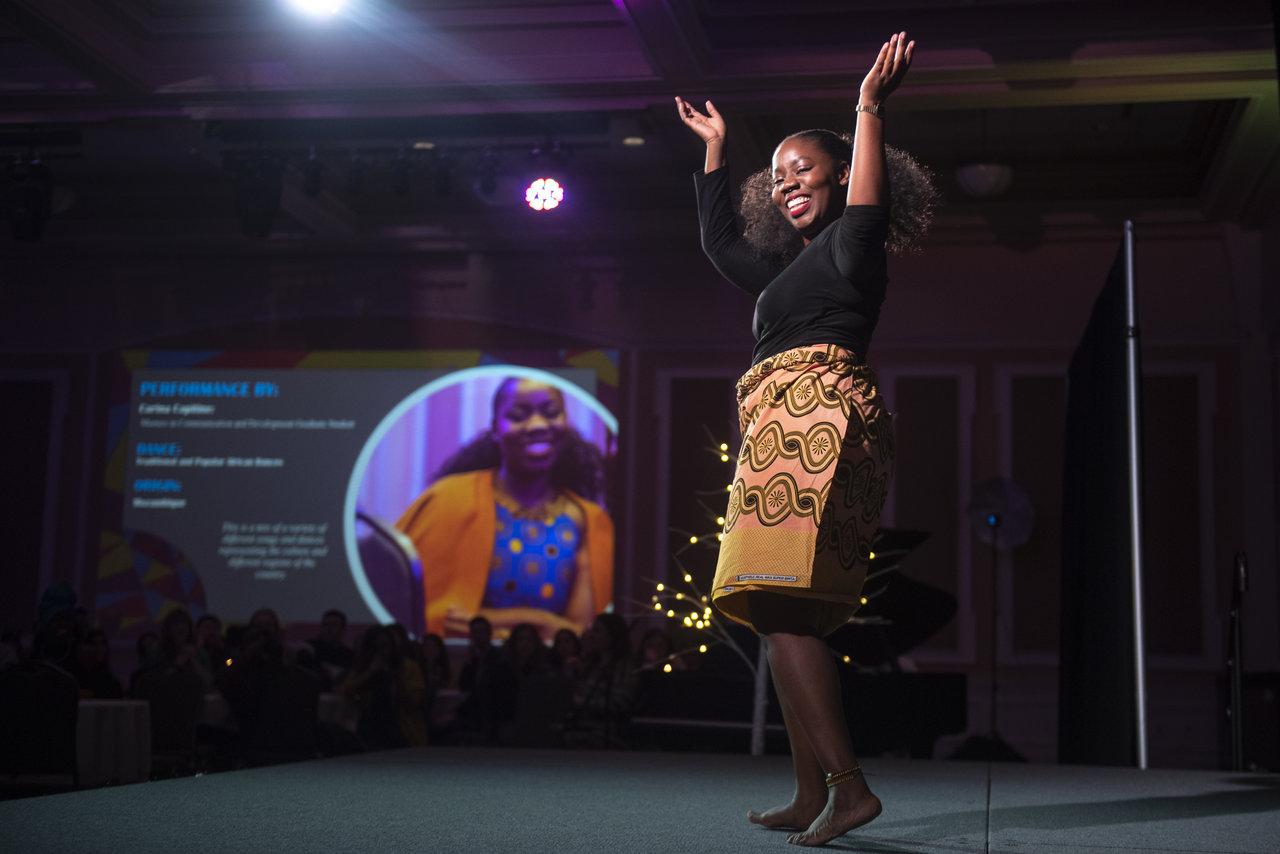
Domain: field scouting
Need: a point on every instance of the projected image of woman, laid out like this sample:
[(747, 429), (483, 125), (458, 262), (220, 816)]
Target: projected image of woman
[(511, 529), (817, 447)]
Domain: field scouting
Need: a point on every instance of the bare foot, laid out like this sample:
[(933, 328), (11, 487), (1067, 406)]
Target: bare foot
[(795, 815), (850, 805)]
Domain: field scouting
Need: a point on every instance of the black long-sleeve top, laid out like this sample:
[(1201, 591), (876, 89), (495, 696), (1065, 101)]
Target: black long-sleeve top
[(830, 294)]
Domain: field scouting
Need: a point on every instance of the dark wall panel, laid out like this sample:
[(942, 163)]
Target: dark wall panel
[(927, 492), (1038, 416)]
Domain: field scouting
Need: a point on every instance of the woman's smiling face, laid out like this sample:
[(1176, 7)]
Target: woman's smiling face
[(808, 185), (530, 425)]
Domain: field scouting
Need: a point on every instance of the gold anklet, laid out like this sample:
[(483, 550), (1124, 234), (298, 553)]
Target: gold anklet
[(838, 777)]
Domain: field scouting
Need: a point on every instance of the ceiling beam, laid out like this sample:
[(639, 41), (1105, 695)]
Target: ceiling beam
[(1242, 180), (1195, 77), (88, 39), (670, 37)]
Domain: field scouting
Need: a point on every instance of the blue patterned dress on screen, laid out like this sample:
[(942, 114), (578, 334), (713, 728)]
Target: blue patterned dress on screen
[(534, 562)]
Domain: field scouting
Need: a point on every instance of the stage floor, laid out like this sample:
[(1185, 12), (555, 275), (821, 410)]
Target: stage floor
[(477, 800)]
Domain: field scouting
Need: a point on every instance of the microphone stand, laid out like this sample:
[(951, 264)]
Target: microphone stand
[(991, 747)]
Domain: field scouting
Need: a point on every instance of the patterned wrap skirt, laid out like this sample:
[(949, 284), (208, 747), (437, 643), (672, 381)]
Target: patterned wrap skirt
[(812, 475)]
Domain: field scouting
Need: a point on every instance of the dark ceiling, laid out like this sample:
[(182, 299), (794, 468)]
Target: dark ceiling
[(147, 110)]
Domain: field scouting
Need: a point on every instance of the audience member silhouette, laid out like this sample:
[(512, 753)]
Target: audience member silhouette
[(436, 658), (333, 655), (147, 647), (178, 646), (391, 693), (211, 648), (656, 651), (605, 694), (565, 656), (486, 681), (92, 669)]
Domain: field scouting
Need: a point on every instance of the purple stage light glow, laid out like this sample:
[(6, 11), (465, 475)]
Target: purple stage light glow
[(544, 194)]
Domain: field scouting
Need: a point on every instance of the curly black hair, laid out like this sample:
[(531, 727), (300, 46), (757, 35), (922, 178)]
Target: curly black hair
[(912, 199), (579, 465)]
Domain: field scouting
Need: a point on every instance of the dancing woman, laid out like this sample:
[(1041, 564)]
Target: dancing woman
[(817, 440)]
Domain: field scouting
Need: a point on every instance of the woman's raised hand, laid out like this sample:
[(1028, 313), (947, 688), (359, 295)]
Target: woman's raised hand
[(709, 128), (888, 70)]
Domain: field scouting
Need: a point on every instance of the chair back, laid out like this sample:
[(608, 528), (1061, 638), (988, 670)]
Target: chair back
[(175, 697), (391, 564), (38, 707), (287, 717)]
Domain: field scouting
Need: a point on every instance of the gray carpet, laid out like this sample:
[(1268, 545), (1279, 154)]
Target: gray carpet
[(447, 799)]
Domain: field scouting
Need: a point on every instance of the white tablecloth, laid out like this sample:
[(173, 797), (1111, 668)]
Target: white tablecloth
[(113, 741)]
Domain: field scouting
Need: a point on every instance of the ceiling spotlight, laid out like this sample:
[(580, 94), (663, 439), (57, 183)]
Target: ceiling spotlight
[(544, 194), (984, 180), (634, 141), (423, 145), (318, 8)]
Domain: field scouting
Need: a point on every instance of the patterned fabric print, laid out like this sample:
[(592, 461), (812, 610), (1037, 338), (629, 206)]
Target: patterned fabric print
[(811, 480), (534, 562)]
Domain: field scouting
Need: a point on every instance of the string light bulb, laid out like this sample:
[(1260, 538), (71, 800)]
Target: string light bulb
[(693, 540), (862, 600), (688, 622), (724, 446), (670, 613), (719, 520), (847, 660), (724, 458), (702, 647), (679, 595), (661, 587), (872, 556), (688, 578), (666, 668), (657, 606)]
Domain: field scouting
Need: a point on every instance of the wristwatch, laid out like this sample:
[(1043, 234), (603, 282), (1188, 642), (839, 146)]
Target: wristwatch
[(876, 110)]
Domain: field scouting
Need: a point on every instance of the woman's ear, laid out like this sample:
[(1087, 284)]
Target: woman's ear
[(844, 173)]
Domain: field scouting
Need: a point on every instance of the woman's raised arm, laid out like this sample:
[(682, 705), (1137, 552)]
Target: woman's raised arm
[(869, 173), (709, 128)]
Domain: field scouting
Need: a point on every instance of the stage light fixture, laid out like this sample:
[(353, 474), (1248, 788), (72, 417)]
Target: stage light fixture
[(634, 141), (318, 8), (544, 194)]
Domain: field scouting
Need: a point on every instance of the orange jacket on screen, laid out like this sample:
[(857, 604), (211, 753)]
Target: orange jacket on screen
[(453, 524)]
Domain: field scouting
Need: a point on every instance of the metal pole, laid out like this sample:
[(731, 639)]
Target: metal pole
[(1239, 584), (1135, 493)]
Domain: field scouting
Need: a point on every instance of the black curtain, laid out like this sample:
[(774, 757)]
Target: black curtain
[(1096, 696)]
